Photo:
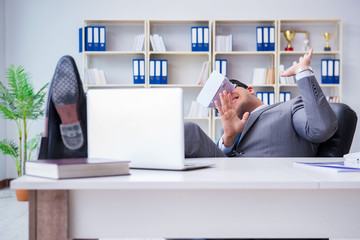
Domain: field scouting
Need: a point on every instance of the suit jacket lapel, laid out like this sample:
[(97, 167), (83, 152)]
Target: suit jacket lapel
[(253, 117)]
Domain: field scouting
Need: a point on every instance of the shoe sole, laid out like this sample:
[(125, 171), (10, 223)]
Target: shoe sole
[(65, 92), (65, 96)]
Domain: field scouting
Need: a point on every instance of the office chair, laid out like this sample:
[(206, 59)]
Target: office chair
[(340, 143)]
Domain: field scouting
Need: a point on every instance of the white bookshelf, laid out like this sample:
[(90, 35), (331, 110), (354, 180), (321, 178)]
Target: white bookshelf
[(116, 61), (314, 29), (184, 66), (244, 56)]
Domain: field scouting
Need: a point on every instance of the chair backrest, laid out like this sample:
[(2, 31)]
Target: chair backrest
[(340, 143)]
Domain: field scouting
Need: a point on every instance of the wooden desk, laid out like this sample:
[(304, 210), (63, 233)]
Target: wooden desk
[(238, 198)]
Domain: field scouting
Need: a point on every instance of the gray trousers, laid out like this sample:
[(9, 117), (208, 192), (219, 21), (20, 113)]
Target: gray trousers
[(198, 144)]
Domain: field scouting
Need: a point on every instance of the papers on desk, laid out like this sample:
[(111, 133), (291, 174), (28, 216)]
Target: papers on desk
[(327, 166)]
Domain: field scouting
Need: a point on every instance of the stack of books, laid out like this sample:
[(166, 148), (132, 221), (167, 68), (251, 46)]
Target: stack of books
[(286, 80), (263, 76), (204, 74), (76, 168), (198, 111), (94, 76), (223, 43), (138, 45), (157, 43)]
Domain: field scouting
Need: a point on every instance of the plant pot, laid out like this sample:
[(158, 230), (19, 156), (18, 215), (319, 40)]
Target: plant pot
[(22, 195)]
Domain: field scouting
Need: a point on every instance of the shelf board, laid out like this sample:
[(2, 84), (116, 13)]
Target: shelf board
[(288, 85), (292, 21), (176, 85), (180, 53), (113, 21), (197, 118), (178, 21), (117, 86), (246, 53), (314, 53), (113, 52), (321, 85), (244, 21), (333, 85), (263, 85)]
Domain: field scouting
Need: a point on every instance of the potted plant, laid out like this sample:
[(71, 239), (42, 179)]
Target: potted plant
[(21, 104)]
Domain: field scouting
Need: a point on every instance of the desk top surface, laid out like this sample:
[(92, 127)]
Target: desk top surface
[(228, 173)]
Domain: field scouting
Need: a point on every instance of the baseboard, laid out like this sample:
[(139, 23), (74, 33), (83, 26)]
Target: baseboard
[(5, 183)]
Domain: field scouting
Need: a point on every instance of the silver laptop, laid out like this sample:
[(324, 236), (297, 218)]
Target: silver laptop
[(144, 126)]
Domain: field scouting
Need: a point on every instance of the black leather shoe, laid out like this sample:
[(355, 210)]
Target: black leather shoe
[(66, 124)]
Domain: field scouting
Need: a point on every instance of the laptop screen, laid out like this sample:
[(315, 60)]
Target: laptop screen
[(144, 126)]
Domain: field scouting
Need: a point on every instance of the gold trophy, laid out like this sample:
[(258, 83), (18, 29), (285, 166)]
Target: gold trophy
[(327, 37), (289, 36)]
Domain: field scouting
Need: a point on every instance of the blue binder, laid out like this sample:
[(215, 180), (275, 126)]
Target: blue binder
[(324, 71), (96, 36), (152, 71), (200, 39), (164, 71), (102, 32), (218, 65), (259, 96), (141, 71), (221, 66), (282, 97), (157, 71), (330, 71), (206, 39), (271, 98), (136, 73), (224, 67), (80, 40), (259, 38), (272, 38), (265, 97), (194, 41), (336, 71), (265, 34), (287, 96), (89, 38)]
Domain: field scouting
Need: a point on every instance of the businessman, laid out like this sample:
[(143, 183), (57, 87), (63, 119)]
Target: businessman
[(252, 129)]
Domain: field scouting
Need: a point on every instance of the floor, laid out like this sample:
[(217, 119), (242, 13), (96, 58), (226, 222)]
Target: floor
[(14, 221)]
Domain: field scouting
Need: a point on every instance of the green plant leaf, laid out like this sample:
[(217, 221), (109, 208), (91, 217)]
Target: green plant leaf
[(20, 103), (9, 148)]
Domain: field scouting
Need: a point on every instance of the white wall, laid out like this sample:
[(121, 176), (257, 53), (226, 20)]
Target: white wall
[(2, 75), (39, 32)]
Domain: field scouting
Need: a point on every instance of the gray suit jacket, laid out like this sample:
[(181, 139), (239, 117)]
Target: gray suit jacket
[(290, 129)]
